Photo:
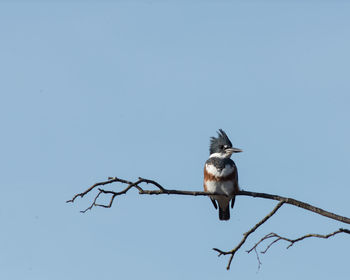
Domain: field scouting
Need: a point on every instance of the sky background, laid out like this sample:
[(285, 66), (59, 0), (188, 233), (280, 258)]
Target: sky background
[(136, 88)]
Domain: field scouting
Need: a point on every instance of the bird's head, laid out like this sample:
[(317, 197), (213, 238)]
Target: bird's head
[(222, 146)]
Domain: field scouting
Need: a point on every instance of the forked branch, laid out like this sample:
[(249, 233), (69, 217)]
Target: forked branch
[(128, 185), (245, 235)]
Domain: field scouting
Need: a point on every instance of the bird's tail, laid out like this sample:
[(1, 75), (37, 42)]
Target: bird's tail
[(224, 215)]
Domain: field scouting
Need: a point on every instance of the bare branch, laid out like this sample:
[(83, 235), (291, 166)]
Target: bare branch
[(292, 241), (298, 203), (162, 190), (245, 235)]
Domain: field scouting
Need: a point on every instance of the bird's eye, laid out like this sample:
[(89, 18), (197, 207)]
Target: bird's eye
[(225, 147)]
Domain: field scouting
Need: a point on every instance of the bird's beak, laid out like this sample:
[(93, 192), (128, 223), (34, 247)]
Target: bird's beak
[(233, 150)]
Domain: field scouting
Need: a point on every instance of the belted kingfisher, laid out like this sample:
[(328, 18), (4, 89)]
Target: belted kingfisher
[(220, 174)]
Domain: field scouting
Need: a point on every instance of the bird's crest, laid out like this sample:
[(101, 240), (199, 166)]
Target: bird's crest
[(217, 144)]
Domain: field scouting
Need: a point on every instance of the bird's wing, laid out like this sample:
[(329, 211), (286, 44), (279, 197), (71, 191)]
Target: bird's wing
[(235, 186), (214, 203), (233, 201)]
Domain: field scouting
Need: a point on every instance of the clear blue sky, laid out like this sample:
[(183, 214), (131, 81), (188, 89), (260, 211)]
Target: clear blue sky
[(136, 88)]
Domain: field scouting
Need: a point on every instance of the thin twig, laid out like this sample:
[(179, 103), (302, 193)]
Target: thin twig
[(258, 258), (277, 238)]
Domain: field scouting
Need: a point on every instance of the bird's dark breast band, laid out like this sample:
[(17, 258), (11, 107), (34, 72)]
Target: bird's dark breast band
[(220, 163)]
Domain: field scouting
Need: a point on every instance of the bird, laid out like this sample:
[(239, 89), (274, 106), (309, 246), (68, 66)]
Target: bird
[(220, 174)]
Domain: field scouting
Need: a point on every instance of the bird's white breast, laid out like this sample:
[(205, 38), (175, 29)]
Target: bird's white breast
[(223, 187)]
